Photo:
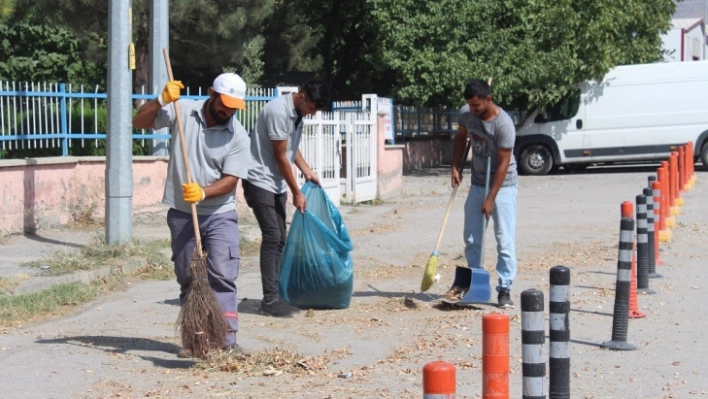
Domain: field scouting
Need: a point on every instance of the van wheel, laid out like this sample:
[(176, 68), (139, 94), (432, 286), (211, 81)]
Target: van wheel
[(704, 156), (536, 160)]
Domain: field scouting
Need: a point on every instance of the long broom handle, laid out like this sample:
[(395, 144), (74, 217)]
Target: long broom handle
[(183, 145), (485, 220), (452, 197)]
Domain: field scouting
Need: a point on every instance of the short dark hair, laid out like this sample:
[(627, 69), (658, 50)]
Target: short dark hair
[(317, 91), (478, 88)]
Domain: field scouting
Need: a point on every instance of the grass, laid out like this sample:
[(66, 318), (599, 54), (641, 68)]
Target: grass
[(8, 284), (99, 254), (16, 310), (56, 301)]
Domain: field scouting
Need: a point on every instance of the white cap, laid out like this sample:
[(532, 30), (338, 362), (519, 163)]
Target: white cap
[(232, 90)]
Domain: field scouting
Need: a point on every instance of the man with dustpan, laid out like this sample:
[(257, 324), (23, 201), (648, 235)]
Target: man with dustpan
[(493, 134), (217, 148)]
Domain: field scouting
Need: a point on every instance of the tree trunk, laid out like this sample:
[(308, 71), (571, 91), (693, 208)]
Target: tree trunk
[(141, 75)]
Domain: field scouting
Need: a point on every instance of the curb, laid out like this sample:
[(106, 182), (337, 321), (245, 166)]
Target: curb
[(44, 283)]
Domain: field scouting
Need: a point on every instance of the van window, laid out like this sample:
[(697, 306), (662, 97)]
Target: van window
[(566, 108)]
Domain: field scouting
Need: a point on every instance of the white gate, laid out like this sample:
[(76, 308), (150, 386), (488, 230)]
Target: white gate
[(320, 145), (361, 140)]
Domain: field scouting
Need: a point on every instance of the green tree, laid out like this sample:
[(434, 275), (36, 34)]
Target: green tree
[(7, 10), (44, 53), (205, 35), (289, 52), (536, 51)]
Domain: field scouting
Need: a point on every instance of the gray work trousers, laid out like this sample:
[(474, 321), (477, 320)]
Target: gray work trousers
[(220, 240)]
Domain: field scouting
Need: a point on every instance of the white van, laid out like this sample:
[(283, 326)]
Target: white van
[(637, 113)]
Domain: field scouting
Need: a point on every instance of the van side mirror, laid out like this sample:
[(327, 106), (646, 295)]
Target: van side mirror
[(579, 124)]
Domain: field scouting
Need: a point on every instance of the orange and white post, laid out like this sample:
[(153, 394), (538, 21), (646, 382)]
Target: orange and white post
[(495, 356)]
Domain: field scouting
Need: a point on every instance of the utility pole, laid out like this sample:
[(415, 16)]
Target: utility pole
[(159, 39), (119, 141)]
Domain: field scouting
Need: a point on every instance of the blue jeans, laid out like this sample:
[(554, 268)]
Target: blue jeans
[(504, 216), (220, 241)]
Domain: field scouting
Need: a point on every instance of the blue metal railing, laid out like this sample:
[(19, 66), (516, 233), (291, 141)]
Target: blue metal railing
[(51, 115)]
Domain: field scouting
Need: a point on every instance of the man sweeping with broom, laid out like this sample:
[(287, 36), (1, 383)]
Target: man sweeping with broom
[(217, 148), (493, 136)]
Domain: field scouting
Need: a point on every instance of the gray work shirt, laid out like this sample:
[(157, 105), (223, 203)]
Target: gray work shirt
[(486, 138), (213, 152), (276, 121)]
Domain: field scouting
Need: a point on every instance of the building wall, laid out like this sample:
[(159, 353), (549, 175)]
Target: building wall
[(672, 43), (49, 192)]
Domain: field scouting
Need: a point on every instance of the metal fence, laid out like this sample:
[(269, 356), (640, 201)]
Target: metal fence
[(424, 121), (54, 118)]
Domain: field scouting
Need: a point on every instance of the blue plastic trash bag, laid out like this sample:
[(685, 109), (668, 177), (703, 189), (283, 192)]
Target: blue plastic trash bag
[(316, 270)]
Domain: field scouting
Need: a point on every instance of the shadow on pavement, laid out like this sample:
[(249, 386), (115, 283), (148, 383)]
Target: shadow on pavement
[(52, 241), (126, 345), (420, 296), (590, 287), (251, 306), (173, 302), (575, 341), (592, 312)]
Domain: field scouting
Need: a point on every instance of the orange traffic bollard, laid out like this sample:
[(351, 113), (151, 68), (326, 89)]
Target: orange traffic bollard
[(658, 220), (669, 220), (682, 169), (673, 180), (691, 165), (627, 212), (495, 356), (439, 381)]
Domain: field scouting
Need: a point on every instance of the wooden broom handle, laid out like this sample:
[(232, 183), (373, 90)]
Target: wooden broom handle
[(183, 145)]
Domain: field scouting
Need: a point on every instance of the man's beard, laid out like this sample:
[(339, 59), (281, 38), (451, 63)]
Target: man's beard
[(220, 120)]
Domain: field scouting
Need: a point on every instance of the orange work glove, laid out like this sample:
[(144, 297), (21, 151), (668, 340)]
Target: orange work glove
[(170, 93), (192, 193)]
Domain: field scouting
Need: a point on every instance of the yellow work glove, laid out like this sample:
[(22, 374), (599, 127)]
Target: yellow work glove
[(191, 192), (170, 93)]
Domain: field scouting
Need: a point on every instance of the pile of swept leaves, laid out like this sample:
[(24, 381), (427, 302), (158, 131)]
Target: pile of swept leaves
[(269, 362)]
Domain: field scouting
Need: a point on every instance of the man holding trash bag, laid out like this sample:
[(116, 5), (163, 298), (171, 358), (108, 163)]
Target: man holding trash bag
[(274, 147)]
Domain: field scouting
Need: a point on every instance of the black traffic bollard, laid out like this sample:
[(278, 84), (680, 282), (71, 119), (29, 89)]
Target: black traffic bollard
[(620, 319), (559, 357), (533, 339), (649, 193), (642, 246)]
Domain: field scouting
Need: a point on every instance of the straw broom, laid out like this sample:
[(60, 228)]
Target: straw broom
[(201, 321), (431, 269)]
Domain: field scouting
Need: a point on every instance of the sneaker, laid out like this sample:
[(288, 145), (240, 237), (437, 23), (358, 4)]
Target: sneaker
[(504, 300), (278, 308)]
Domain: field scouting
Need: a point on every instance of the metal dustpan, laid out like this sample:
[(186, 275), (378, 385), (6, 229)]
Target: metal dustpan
[(471, 287)]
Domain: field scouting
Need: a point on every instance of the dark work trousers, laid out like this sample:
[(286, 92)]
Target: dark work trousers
[(269, 209), (220, 241)]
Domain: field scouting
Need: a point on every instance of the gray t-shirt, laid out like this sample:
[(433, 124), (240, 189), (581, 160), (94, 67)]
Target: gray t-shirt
[(486, 138), (276, 121), (213, 152)]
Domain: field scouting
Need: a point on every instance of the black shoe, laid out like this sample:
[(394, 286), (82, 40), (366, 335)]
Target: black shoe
[(278, 308), (504, 299)]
